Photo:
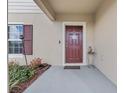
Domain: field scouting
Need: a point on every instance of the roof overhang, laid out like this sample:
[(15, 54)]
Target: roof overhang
[(45, 7)]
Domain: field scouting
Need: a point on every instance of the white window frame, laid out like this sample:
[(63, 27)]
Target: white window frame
[(15, 55)]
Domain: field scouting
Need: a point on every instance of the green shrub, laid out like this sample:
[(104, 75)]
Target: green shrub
[(19, 74)]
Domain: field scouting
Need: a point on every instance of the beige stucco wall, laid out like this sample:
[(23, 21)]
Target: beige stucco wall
[(46, 35), (106, 40)]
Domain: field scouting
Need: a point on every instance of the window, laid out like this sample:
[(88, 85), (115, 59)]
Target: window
[(15, 43)]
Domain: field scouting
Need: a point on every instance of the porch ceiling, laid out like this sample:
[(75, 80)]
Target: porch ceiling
[(76, 7)]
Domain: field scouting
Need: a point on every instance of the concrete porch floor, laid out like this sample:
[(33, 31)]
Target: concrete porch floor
[(60, 80)]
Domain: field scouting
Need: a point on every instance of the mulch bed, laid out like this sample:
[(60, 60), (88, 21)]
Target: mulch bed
[(23, 86)]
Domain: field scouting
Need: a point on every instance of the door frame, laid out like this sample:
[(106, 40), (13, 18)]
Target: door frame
[(84, 43)]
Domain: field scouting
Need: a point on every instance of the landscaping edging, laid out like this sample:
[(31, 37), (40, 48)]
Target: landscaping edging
[(23, 86)]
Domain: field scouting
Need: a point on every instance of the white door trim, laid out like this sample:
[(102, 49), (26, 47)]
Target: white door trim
[(84, 43)]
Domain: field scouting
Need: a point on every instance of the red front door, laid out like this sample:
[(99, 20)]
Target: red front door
[(73, 44)]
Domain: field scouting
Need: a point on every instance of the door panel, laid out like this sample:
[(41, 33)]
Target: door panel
[(73, 44)]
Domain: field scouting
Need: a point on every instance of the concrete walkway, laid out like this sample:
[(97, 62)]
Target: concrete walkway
[(59, 80)]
